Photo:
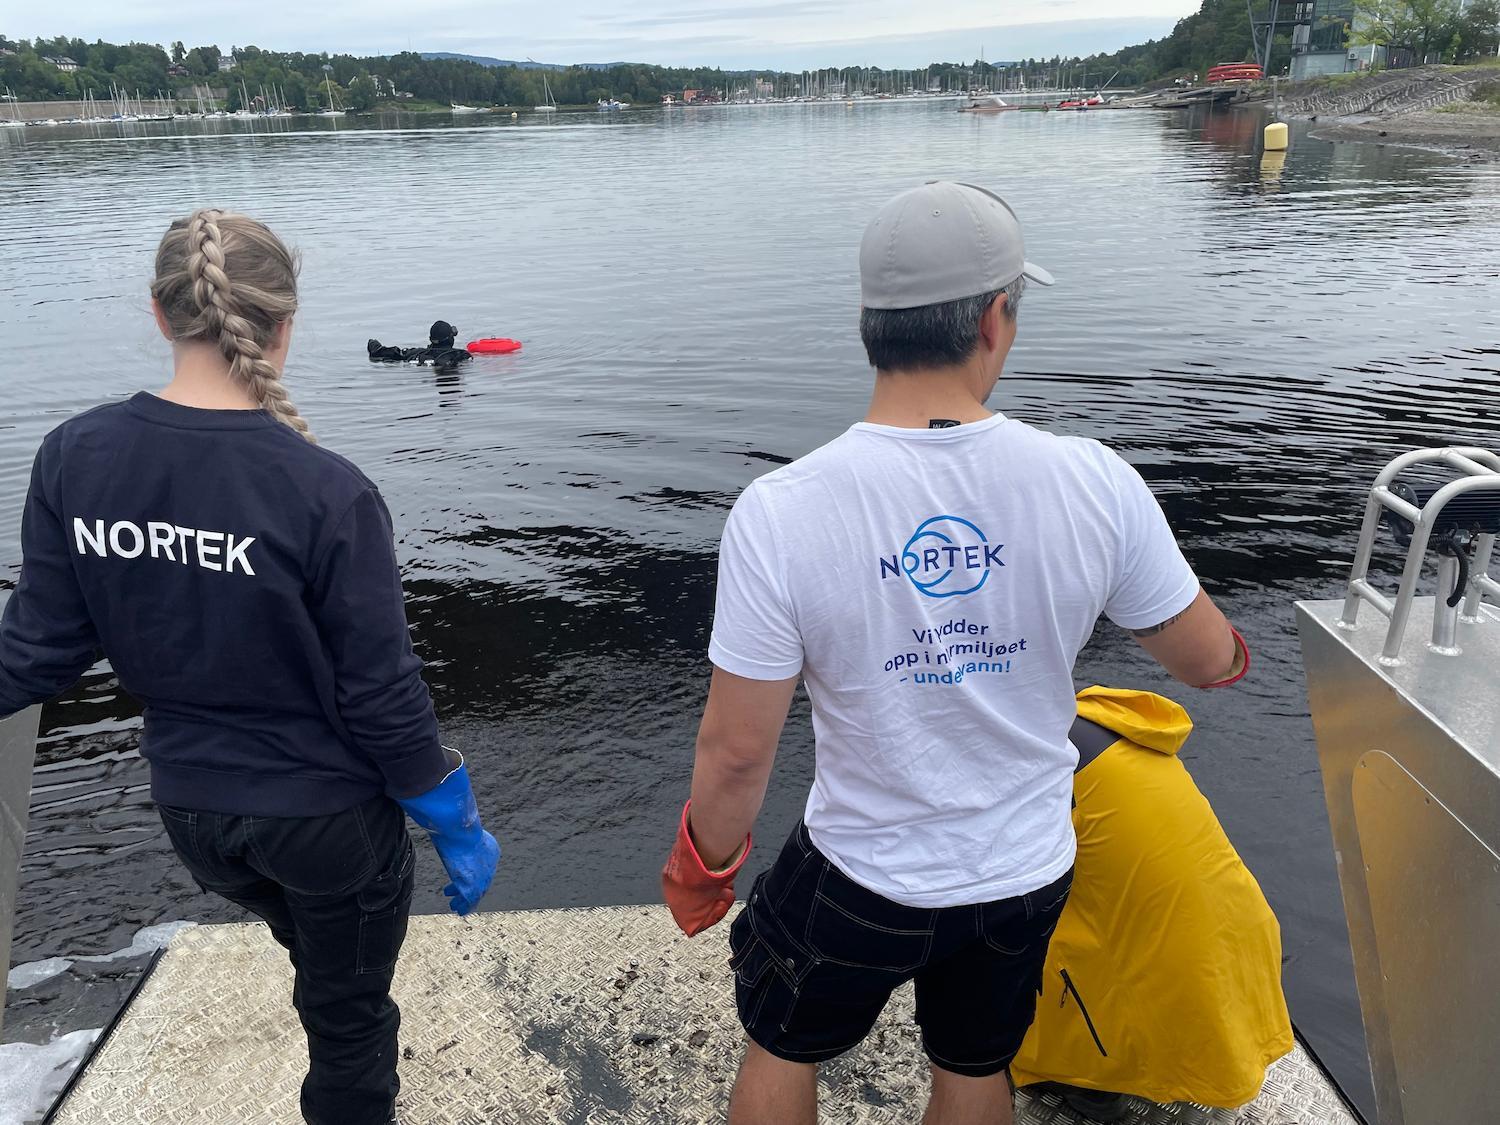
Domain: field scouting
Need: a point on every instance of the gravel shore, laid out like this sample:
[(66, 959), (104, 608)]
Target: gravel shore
[(1425, 107), (1472, 134)]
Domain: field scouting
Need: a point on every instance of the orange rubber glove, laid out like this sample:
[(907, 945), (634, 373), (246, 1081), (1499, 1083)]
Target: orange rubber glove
[(699, 898)]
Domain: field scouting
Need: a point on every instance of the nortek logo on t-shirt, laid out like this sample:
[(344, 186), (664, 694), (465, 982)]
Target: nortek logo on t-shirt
[(946, 557)]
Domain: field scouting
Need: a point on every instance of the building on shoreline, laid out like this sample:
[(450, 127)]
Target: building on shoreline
[(1321, 42)]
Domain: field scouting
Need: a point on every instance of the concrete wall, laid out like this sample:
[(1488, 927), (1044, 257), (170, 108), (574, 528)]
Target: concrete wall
[(1315, 64), (37, 111), (61, 110)]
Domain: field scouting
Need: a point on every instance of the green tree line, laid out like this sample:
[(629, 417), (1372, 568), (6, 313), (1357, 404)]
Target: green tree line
[(1450, 30), (303, 81)]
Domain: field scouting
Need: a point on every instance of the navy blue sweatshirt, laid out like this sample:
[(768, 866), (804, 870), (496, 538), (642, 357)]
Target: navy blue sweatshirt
[(243, 583)]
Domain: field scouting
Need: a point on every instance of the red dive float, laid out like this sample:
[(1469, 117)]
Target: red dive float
[(496, 345)]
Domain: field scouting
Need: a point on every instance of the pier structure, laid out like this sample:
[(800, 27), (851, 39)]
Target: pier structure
[(600, 1015)]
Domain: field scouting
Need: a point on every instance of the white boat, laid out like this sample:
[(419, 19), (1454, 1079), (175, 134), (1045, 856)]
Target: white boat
[(460, 108), (549, 102), (333, 109), (607, 105), (14, 120), (988, 104)]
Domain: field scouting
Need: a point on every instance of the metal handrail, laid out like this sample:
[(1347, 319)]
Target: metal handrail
[(1481, 469)]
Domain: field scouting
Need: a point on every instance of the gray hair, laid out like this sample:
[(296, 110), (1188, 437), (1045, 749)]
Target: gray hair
[(931, 335)]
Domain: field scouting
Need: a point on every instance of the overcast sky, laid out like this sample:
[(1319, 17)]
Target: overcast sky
[(779, 33)]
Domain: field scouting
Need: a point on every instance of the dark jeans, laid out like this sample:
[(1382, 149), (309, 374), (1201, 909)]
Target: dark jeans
[(336, 892)]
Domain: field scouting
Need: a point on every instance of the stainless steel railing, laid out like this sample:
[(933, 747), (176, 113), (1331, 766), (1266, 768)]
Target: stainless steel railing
[(1481, 473)]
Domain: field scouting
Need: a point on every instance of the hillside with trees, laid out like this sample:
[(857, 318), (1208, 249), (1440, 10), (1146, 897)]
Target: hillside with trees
[(299, 79), (1431, 30)]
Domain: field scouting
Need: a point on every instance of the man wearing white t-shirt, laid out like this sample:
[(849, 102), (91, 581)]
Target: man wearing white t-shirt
[(931, 575)]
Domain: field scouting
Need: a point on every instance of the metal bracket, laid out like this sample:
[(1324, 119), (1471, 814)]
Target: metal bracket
[(1481, 469)]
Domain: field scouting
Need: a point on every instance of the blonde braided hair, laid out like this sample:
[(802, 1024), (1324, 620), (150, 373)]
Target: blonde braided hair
[(226, 279)]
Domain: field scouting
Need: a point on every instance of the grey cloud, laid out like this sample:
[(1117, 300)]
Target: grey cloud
[(726, 15), (747, 37)]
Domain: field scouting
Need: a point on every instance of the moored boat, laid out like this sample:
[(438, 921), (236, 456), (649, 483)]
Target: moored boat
[(1098, 101), (987, 104), (549, 103)]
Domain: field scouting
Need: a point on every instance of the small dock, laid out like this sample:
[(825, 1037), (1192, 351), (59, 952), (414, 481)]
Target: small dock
[(568, 1016), (1185, 98)]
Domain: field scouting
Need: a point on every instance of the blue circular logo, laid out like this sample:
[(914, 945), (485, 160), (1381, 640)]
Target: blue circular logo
[(948, 557)]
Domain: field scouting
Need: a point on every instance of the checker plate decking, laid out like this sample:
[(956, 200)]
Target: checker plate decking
[(568, 1016)]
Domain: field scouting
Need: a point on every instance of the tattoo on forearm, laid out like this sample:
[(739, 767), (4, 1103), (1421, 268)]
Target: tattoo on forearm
[(1155, 629)]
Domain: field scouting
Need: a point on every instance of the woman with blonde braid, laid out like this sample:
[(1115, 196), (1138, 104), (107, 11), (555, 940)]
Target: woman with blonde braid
[(243, 583)]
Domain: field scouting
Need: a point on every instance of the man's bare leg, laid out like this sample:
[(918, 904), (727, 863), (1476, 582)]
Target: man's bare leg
[(772, 1091), (958, 1100)]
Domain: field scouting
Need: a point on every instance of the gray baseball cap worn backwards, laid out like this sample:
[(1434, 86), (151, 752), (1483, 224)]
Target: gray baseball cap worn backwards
[(942, 242)]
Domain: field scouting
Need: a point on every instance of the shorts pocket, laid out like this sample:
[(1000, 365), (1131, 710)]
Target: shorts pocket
[(790, 880), (1013, 927), (770, 969), (384, 906), (852, 926), (1050, 902), (1004, 944), (750, 962)]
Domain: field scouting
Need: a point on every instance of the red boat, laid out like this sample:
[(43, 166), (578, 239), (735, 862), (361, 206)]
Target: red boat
[(1084, 103)]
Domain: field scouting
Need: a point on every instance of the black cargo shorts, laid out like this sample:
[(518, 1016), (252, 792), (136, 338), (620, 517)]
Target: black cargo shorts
[(816, 957)]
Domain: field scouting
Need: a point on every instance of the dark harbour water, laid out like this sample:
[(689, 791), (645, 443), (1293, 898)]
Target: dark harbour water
[(685, 283)]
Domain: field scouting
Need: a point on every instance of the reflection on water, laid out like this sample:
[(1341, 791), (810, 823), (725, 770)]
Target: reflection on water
[(1256, 339)]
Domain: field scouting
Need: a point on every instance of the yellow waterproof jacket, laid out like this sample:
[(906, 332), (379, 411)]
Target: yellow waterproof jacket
[(1163, 979)]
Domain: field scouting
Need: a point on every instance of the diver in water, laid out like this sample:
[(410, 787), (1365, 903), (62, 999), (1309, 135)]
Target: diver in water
[(440, 350)]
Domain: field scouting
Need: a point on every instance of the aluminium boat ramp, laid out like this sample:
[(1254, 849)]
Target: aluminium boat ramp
[(571, 1016)]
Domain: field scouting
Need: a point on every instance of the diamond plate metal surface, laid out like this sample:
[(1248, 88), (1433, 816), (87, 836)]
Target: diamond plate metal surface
[(604, 1015)]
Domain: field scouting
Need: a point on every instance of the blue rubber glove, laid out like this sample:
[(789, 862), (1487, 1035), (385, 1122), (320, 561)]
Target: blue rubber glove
[(469, 853)]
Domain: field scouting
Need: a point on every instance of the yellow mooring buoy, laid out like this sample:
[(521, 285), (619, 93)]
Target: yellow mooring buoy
[(1277, 137)]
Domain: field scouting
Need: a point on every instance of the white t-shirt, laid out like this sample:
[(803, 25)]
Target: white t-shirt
[(933, 588)]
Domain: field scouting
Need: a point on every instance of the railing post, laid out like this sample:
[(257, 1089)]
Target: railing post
[(17, 752)]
